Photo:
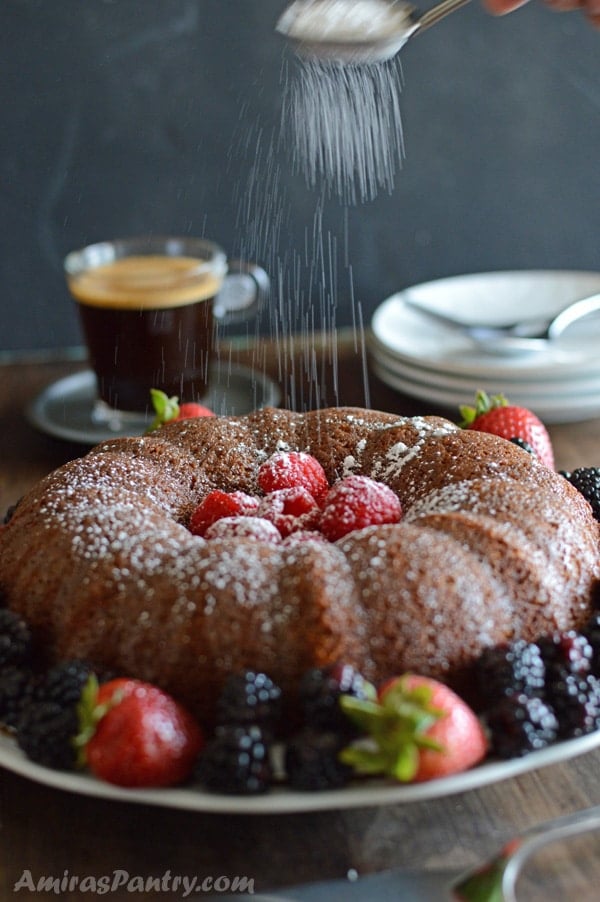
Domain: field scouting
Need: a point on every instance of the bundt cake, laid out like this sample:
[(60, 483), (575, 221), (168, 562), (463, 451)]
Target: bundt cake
[(492, 545)]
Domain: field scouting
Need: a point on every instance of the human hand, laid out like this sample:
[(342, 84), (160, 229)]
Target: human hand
[(591, 8)]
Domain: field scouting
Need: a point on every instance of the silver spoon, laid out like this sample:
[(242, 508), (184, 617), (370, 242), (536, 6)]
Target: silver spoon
[(356, 32), (520, 337), (497, 879)]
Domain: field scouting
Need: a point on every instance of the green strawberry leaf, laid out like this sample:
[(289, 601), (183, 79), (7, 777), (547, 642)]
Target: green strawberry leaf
[(394, 729), (366, 715), (404, 766), (165, 408), (483, 404), (87, 718), (368, 761)]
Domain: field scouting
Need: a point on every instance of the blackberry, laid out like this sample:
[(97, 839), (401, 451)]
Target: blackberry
[(250, 697), (236, 761), (521, 443), (519, 724), (45, 733), (587, 481), (592, 633), (319, 695), (565, 653), (15, 639), (63, 683), (576, 703), (312, 763), (16, 690), (508, 668), (10, 512)]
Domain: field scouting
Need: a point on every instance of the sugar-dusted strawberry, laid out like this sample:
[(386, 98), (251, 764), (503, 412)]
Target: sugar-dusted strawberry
[(356, 502), (293, 469), (140, 736), (168, 410), (418, 730), (290, 510), (495, 415), (217, 505)]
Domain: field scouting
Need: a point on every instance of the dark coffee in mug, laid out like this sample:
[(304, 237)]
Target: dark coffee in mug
[(148, 323)]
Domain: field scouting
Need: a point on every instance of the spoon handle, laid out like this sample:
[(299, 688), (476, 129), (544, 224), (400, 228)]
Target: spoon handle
[(576, 311), (440, 11), (498, 878)]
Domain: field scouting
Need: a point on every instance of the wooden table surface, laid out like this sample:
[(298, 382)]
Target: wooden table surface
[(49, 832)]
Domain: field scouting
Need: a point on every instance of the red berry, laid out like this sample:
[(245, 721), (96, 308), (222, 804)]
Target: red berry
[(192, 410), (356, 502), (290, 510), (301, 536), (217, 505), (168, 410), (292, 469), (145, 737), (244, 527), (457, 731), (496, 416)]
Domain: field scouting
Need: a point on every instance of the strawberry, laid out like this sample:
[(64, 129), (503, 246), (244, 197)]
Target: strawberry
[(191, 411), (495, 415), (169, 410), (418, 729), (140, 736)]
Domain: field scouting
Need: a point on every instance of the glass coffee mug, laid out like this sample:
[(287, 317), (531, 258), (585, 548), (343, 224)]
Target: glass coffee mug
[(149, 307)]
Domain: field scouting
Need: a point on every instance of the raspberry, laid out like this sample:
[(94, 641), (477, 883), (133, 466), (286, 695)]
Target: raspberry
[(356, 502), (290, 510), (15, 639), (587, 481), (511, 667), (217, 505), (301, 536), (244, 527), (312, 763), (250, 698), (519, 724), (236, 761), (292, 469), (319, 696)]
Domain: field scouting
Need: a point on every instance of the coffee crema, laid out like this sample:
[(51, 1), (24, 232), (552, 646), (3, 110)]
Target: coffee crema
[(146, 282), (148, 323)]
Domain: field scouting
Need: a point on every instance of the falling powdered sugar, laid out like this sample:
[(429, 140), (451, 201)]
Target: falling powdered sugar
[(345, 126)]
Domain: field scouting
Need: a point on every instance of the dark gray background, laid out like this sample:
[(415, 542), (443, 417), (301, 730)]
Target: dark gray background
[(125, 116)]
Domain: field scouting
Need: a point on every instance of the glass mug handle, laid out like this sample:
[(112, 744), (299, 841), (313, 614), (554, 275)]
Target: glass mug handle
[(245, 289)]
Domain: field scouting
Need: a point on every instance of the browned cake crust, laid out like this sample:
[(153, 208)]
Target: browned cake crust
[(493, 545)]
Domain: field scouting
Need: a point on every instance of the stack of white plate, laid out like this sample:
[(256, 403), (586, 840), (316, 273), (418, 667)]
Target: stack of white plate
[(434, 362)]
